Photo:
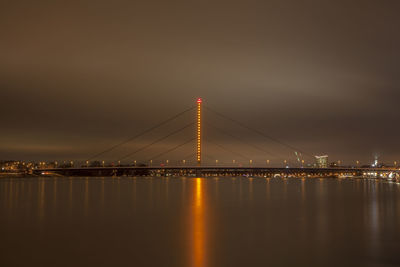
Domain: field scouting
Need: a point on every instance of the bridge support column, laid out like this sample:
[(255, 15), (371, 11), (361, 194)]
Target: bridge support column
[(199, 132)]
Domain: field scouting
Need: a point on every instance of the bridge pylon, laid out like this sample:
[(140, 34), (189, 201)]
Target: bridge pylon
[(198, 132)]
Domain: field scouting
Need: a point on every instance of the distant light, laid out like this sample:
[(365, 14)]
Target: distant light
[(199, 100)]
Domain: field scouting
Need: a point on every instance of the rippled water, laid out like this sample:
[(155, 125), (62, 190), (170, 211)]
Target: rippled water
[(198, 222)]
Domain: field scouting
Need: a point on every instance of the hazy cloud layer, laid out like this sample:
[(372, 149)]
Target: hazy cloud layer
[(77, 77)]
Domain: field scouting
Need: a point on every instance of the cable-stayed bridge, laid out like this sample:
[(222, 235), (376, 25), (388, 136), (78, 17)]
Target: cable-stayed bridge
[(202, 142), (198, 148)]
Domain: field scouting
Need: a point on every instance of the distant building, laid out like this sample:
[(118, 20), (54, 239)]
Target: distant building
[(376, 163), (321, 161)]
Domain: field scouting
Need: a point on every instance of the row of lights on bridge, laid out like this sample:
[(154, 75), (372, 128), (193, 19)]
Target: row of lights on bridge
[(103, 163), (183, 161)]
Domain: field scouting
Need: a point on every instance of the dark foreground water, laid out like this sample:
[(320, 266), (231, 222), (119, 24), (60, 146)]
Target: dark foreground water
[(198, 222)]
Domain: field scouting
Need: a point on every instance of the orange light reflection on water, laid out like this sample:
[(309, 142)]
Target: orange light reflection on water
[(198, 225)]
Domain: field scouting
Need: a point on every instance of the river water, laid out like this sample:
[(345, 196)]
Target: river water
[(198, 222)]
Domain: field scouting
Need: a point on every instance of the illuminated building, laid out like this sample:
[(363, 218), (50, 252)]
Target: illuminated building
[(376, 163), (322, 161)]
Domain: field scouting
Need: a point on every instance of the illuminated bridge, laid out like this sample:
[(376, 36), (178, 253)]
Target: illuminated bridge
[(209, 171), (194, 164)]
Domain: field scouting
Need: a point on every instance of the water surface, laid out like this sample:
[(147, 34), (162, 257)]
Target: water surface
[(198, 222)]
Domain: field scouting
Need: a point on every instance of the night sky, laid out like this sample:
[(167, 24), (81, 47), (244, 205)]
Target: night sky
[(77, 77)]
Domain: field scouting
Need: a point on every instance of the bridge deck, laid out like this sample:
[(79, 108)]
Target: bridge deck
[(214, 170)]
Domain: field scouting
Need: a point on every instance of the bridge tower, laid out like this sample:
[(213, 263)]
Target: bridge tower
[(199, 132)]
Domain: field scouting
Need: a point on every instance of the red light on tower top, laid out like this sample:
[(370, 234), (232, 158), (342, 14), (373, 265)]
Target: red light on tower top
[(199, 100)]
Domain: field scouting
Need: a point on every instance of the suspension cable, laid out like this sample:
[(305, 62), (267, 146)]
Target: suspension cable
[(172, 149), (240, 139), (156, 141), (226, 149), (257, 131), (141, 133)]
